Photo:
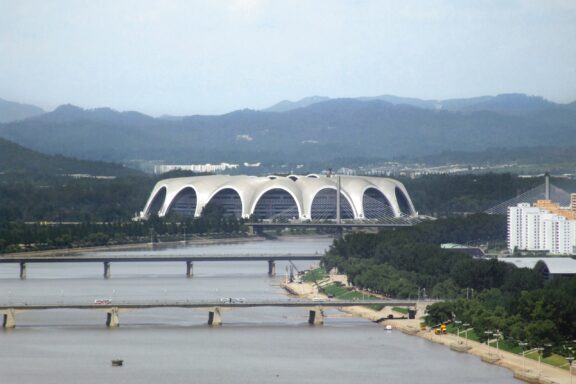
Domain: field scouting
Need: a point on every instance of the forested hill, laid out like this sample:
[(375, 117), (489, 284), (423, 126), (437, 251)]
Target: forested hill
[(15, 159), (11, 111), (325, 130)]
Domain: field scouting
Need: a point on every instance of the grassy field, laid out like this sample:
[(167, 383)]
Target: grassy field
[(315, 275), (553, 359), (337, 290)]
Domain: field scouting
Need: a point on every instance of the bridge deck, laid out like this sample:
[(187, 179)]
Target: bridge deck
[(154, 258), (207, 304)]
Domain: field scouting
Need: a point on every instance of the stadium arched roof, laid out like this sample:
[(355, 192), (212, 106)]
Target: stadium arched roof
[(291, 197)]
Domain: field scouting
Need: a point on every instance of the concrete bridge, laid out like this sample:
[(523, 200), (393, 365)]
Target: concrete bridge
[(315, 316), (188, 260)]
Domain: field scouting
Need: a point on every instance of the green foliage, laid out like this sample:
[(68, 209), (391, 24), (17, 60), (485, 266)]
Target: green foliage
[(445, 195), (315, 275), (517, 302)]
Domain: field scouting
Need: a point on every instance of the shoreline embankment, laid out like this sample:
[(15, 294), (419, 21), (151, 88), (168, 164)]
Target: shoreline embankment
[(523, 369), (153, 246)]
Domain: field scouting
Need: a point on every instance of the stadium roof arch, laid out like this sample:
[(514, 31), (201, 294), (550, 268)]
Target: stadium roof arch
[(290, 197)]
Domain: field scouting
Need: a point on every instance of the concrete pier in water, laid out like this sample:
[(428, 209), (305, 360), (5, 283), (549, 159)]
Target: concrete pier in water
[(214, 317), (106, 269), (271, 268), (112, 319), (189, 269), (316, 316), (22, 270)]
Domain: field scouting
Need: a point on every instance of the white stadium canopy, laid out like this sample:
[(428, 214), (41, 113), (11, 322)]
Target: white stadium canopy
[(294, 197)]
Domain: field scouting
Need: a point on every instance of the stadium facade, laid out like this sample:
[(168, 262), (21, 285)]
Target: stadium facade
[(275, 198)]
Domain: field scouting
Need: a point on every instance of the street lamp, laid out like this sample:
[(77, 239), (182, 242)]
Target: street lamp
[(457, 322), (523, 355), (488, 334), (570, 360), (498, 335), (540, 349), (466, 325)]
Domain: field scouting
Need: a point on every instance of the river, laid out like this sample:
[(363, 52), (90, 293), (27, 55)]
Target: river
[(254, 345)]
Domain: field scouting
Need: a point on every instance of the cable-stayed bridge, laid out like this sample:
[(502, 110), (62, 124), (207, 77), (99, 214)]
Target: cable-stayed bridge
[(545, 191)]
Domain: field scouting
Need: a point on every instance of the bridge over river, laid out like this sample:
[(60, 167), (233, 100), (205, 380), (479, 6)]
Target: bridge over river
[(112, 309), (148, 258)]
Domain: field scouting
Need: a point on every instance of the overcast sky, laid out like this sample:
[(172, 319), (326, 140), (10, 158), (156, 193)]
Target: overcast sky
[(209, 57)]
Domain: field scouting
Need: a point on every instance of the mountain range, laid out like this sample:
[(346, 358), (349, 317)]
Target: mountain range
[(17, 160), (11, 111), (312, 129)]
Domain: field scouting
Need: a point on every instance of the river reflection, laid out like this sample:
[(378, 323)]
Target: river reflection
[(254, 345)]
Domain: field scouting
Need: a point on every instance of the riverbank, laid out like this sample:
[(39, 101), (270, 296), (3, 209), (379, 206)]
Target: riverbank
[(133, 247), (524, 369), (197, 240)]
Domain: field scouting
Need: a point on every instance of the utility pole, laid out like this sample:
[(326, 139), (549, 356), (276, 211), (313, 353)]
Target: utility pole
[(338, 201)]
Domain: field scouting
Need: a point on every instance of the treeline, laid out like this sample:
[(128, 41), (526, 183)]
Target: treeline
[(399, 262), (63, 198), (485, 292), (447, 195), (33, 197), (542, 316), (37, 197), (19, 236)]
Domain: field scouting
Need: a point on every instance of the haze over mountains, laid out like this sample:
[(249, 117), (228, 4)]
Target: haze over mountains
[(17, 160), (11, 111), (313, 129)]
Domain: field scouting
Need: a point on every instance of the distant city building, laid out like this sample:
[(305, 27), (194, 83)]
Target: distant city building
[(199, 168), (293, 197), (543, 227)]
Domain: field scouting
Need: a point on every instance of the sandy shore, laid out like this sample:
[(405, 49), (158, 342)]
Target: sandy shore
[(524, 369)]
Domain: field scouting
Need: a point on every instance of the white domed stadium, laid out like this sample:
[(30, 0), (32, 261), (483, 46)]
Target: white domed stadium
[(278, 198)]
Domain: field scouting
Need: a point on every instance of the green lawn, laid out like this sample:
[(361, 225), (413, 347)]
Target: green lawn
[(554, 359), (343, 293), (471, 335), (315, 275)]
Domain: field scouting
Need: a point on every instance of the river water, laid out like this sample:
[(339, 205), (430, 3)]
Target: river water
[(254, 345)]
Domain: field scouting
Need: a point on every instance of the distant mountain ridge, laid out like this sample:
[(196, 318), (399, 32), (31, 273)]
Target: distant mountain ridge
[(381, 128), (287, 105), (12, 111), (511, 103), (16, 159)]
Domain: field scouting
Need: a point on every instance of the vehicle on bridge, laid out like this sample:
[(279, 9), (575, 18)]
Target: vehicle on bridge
[(103, 301), (232, 300)]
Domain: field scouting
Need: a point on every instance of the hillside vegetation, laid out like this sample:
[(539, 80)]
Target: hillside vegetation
[(328, 129), (488, 294)]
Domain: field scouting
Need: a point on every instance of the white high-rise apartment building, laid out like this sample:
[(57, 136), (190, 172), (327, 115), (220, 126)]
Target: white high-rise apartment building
[(543, 227)]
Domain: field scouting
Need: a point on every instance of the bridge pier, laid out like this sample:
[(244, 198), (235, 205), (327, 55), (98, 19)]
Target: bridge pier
[(22, 270), (214, 317), (271, 268), (106, 269), (9, 319), (316, 317), (189, 269), (112, 319)]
